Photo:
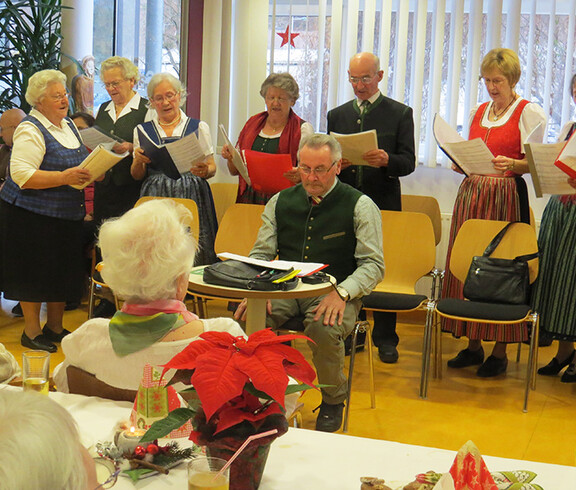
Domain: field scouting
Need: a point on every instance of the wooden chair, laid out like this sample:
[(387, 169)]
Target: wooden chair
[(427, 205), (472, 239), (96, 280), (237, 234), (224, 196), (82, 382), (409, 254)]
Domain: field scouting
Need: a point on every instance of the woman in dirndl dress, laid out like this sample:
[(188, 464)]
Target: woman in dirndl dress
[(170, 123), (554, 293), (503, 123)]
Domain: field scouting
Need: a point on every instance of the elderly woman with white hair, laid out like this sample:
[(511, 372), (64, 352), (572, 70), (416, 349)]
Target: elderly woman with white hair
[(148, 254), (276, 130), (41, 447), (41, 255), (118, 192), (170, 123)]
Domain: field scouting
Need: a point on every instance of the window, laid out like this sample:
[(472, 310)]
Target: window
[(144, 31), (431, 52)]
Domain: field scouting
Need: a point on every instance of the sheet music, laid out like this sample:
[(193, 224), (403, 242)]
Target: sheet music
[(546, 177), (472, 156), (187, 151), (356, 144), (99, 162), (237, 159), (92, 137)]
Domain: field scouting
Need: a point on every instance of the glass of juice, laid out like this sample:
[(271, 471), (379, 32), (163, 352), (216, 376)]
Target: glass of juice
[(203, 474), (35, 371)]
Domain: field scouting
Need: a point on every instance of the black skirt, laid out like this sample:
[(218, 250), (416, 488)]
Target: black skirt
[(41, 258)]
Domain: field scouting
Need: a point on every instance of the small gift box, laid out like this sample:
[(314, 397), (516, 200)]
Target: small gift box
[(154, 401)]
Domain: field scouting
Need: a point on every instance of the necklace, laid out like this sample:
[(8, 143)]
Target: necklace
[(497, 116), (174, 121), (275, 129)]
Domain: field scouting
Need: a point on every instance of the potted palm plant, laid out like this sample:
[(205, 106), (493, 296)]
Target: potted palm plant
[(240, 387)]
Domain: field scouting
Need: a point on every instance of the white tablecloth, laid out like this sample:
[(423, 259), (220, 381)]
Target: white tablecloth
[(304, 459)]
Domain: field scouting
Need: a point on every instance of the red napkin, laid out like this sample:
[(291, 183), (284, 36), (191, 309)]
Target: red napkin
[(469, 470)]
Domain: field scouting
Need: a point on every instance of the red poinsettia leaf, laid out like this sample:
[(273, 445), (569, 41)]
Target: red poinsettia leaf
[(268, 337), (296, 365), (220, 339), (217, 380), (230, 416), (186, 359), (266, 371)]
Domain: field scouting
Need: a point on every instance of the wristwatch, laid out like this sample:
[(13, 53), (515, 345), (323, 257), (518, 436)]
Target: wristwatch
[(344, 295)]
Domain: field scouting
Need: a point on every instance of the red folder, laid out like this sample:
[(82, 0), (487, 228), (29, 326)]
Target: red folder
[(566, 160), (266, 170)]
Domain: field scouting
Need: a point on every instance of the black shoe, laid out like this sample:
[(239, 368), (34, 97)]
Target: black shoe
[(554, 366), (360, 340), (388, 354), (72, 305), (53, 336), (467, 358), (493, 366), (17, 310), (104, 309), (330, 417), (40, 342), (569, 375)]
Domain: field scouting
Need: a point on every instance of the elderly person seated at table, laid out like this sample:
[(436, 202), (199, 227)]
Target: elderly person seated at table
[(41, 447), (147, 254)]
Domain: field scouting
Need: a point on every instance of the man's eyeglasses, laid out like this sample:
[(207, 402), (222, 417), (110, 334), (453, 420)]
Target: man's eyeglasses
[(319, 171), (365, 79), (170, 96)]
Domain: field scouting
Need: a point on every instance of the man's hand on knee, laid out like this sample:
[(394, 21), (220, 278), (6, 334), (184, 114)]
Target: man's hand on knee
[(240, 313), (331, 308)]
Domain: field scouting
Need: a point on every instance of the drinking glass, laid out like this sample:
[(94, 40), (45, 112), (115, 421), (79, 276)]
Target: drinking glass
[(35, 371), (202, 472)]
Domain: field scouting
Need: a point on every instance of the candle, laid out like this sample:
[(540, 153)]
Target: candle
[(128, 439)]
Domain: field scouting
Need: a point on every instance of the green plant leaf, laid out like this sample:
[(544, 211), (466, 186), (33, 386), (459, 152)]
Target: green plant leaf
[(161, 428)]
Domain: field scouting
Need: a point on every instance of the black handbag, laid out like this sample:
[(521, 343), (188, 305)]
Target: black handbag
[(236, 274), (492, 280)]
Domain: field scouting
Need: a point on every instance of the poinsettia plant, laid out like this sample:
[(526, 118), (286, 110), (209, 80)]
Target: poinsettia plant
[(240, 385)]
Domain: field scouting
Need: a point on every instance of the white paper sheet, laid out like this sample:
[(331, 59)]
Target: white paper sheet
[(356, 144), (237, 159)]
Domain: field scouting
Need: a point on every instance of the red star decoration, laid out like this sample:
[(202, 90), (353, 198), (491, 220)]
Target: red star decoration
[(287, 35)]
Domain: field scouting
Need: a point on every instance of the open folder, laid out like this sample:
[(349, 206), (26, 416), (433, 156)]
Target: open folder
[(237, 159), (267, 170), (94, 136), (99, 162), (356, 144), (470, 156), (177, 157), (566, 160)]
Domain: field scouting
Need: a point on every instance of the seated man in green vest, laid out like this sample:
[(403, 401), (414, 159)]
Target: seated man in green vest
[(323, 220)]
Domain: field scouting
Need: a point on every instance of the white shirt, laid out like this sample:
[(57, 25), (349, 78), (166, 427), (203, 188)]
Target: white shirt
[(305, 130), (531, 116), (372, 99), (133, 103), (29, 146), (203, 129)]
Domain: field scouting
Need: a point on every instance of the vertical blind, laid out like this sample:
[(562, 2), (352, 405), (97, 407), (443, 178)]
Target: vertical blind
[(430, 51)]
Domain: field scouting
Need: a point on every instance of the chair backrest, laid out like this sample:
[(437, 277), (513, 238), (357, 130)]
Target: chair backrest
[(239, 228), (475, 235), (188, 203), (409, 250), (224, 196), (427, 205), (82, 382)]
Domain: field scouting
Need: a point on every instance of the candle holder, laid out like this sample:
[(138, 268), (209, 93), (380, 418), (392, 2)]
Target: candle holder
[(128, 439)]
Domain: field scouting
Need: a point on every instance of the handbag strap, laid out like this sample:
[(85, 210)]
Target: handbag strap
[(498, 238)]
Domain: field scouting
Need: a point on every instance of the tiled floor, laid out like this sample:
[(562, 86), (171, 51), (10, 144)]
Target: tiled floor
[(460, 406)]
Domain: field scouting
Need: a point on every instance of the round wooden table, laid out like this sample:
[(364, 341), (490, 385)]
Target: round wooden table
[(256, 300)]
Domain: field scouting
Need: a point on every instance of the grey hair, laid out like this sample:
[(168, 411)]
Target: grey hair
[(41, 448), (158, 78), (129, 69), (318, 140), (283, 81), (39, 82), (147, 250)]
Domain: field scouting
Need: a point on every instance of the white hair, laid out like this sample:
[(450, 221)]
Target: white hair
[(40, 448), (176, 84), (147, 250), (129, 69), (39, 82)]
